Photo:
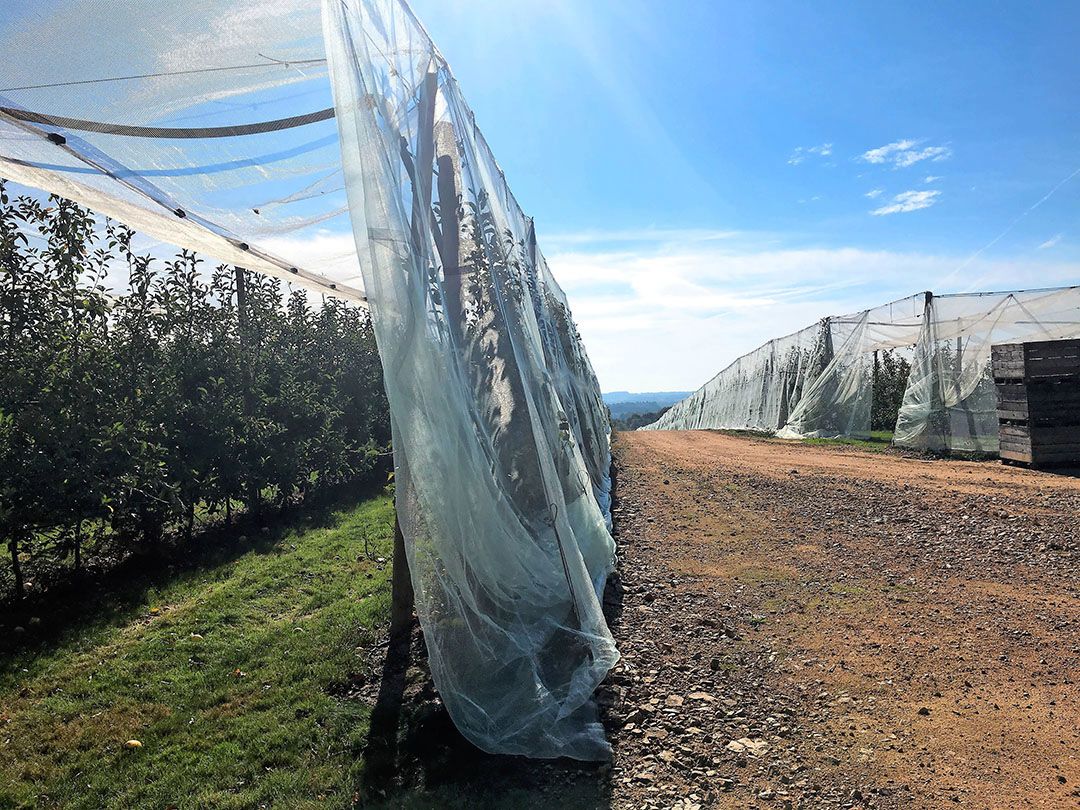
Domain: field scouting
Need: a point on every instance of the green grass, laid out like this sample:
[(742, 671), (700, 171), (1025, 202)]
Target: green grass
[(879, 441), (222, 672)]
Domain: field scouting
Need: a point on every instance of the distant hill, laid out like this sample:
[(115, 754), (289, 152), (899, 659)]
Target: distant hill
[(623, 404)]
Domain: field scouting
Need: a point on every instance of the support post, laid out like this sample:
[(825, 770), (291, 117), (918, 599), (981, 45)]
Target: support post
[(446, 153), (938, 426), (401, 589), (241, 298), (402, 597)]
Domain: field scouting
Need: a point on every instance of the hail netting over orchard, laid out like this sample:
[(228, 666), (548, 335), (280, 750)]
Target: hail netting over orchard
[(821, 381), (330, 145)]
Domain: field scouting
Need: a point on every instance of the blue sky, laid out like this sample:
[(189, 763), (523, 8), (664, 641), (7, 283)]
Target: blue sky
[(707, 175)]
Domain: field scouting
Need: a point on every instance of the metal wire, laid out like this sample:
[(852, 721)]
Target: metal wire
[(274, 63)]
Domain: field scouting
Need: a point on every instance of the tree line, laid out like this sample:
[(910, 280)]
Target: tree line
[(126, 421), (633, 421)]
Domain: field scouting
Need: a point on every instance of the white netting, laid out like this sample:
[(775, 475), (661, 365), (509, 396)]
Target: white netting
[(815, 382), (951, 402), (488, 388), (500, 435), (266, 201), (819, 382)]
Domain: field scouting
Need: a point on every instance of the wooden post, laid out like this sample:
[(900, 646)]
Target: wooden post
[(401, 593), (16, 565), (241, 297), (449, 247), (938, 427), (875, 389), (402, 596)]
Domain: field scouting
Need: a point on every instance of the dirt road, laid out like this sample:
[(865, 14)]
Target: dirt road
[(826, 627)]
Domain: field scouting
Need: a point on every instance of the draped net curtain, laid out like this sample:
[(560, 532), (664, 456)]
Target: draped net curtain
[(329, 144), (819, 382)]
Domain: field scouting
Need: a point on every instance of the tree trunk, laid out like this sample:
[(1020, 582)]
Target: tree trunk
[(189, 528), (78, 546), (252, 489), (152, 531), (16, 567)]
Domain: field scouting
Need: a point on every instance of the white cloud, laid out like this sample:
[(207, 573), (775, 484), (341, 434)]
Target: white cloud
[(884, 154), (331, 253), (1051, 242), (908, 201), (669, 315), (935, 153), (904, 153), (931, 178), (802, 152), (558, 241), (874, 193)]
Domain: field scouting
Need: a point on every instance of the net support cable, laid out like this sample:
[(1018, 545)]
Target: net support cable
[(131, 131), (83, 153)]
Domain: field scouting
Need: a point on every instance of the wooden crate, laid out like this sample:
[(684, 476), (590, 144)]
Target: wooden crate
[(1038, 388)]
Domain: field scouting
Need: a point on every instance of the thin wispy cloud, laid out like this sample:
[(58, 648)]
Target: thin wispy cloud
[(904, 153), (1023, 214), (908, 201), (934, 153), (716, 300), (874, 193), (801, 153), (558, 241), (931, 178), (1051, 242)]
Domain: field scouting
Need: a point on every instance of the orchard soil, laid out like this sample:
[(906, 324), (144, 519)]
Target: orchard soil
[(826, 627)]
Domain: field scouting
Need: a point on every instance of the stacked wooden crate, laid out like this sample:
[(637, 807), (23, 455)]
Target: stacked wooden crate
[(1038, 388)]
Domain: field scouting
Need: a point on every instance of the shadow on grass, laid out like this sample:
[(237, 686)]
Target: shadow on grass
[(69, 611)]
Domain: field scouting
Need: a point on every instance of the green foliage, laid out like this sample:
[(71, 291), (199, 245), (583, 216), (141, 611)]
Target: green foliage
[(878, 442), (635, 420), (890, 381), (125, 420)]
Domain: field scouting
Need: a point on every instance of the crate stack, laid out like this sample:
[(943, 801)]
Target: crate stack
[(1038, 388)]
